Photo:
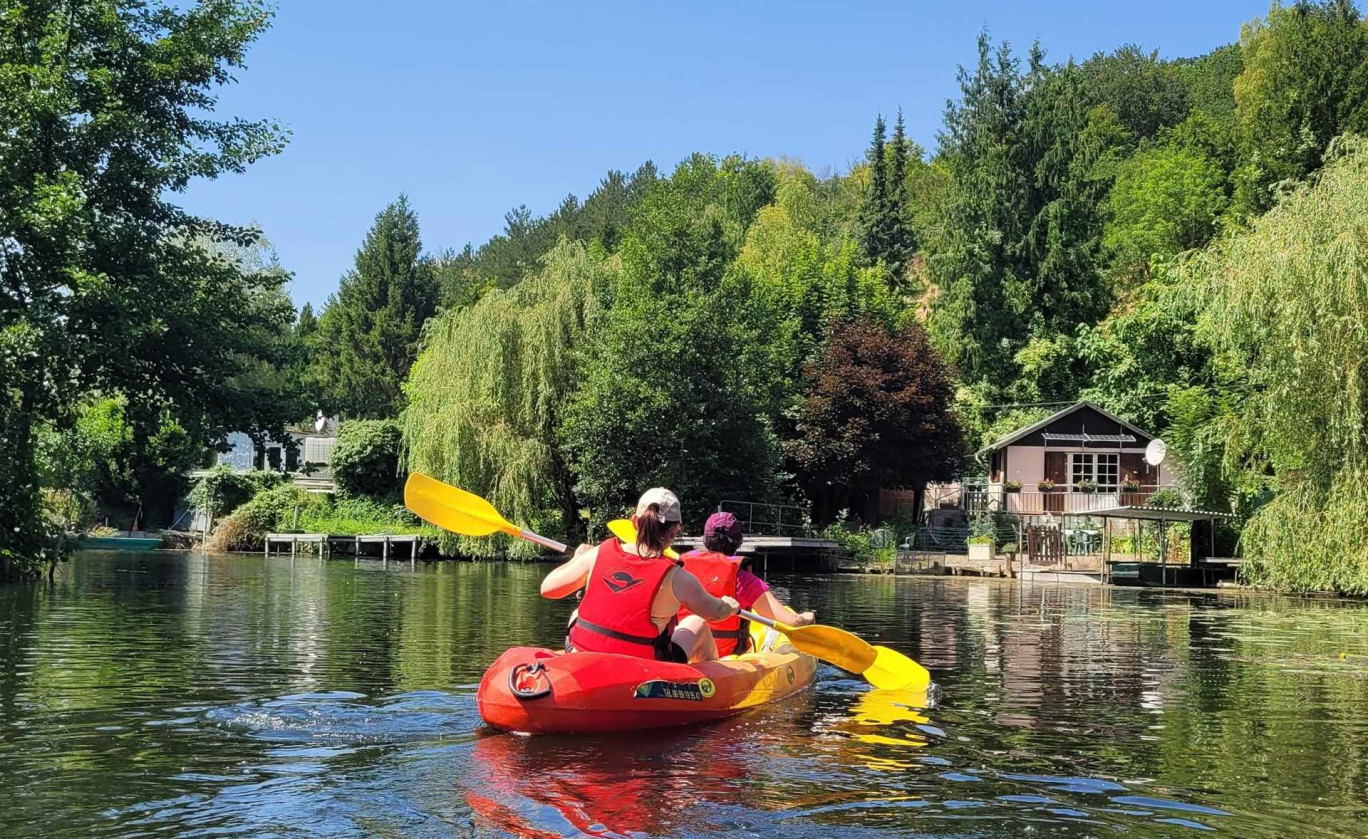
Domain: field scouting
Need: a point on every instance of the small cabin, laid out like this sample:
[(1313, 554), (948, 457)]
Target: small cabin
[(1078, 459)]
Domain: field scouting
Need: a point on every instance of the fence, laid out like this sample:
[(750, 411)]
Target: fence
[(769, 519), (1061, 502)]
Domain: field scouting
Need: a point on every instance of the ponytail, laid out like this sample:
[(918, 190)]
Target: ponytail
[(653, 535)]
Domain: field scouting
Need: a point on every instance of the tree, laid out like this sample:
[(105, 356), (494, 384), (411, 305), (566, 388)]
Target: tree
[(1283, 306), (368, 334), (681, 377), (1165, 200), (365, 458), (884, 234), (107, 110), (1305, 80), (878, 413), (486, 394)]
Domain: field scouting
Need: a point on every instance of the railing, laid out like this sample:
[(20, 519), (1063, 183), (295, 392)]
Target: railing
[(768, 519), (1059, 502)]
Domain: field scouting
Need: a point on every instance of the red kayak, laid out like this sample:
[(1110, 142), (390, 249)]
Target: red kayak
[(536, 690)]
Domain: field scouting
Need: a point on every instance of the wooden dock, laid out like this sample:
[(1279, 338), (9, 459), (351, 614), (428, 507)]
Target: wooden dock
[(328, 544)]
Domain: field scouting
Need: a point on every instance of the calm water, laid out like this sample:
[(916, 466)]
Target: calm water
[(201, 696)]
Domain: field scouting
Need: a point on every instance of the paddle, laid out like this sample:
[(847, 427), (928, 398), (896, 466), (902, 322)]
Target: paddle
[(885, 668), (454, 509)]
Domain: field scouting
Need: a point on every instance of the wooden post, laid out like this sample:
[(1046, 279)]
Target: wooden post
[(294, 544), (384, 551)]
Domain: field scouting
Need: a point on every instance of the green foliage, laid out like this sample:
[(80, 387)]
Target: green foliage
[(361, 517), (1284, 304), (678, 383), (103, 282), (269, 511), (1023, 227), (365, 458), (884, 234), (368, 333), (1305, 80), (1167, 498), (223, 490), (1165, 200), (487, 392)]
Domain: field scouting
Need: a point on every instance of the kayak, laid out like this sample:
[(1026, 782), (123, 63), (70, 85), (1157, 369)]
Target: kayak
[(535, 690)]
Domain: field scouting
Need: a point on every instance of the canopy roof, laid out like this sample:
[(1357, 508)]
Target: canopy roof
[(1155, 514)]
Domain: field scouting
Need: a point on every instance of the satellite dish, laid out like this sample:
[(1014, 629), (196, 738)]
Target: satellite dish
[(1155, 452), (321, 422)]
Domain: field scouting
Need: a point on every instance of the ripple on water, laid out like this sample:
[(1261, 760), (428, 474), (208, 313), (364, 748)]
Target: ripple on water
[(346, 717)]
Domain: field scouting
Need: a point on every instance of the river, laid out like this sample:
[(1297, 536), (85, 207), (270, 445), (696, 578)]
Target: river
[(191, 695)]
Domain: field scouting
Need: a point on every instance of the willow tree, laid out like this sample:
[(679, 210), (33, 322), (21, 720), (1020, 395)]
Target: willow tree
[(1287, 304), (484, 394)]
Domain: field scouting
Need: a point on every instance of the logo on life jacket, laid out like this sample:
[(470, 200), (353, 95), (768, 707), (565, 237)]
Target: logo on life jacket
[(620, 581)]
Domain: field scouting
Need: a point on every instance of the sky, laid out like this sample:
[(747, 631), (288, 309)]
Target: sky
[(475, 108)]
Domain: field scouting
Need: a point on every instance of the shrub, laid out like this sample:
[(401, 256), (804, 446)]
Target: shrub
[(223, 490), (269, 511), (359, 517), (365, 459), (1167, 498)]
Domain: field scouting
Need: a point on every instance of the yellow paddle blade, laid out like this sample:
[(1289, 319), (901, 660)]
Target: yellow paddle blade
[(835, 646), (626, 531), (452, 508), (891, 670)]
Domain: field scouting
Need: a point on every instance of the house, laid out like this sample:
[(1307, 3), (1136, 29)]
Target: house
[(1079, 459), (307, 457)]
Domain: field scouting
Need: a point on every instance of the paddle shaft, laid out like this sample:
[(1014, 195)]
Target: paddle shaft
[(558, 547), (772, 624)]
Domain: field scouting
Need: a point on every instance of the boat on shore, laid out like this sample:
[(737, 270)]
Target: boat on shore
[(118, 543)]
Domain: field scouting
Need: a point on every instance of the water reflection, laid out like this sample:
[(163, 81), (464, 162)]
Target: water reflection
[(175, 694)]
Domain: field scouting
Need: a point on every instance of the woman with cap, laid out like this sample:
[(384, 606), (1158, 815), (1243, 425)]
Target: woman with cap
[(633, 593), (722, 572)]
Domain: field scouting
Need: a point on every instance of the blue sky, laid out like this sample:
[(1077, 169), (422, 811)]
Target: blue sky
[(473, 109)]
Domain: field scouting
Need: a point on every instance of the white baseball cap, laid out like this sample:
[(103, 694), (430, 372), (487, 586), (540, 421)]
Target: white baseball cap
[(666, 502)]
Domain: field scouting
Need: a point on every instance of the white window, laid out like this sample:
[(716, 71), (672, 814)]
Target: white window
[(1102, 469)]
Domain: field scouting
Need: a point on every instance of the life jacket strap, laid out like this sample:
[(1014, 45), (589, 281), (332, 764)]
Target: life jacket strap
[(614, 634)]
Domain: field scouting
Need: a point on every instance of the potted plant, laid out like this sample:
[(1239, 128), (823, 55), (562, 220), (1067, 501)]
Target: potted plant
[(1086, 486), (1011, 486), (1046, 485), (981, 539)]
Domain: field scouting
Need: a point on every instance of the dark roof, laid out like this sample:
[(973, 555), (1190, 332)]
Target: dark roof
[(1058, 415)]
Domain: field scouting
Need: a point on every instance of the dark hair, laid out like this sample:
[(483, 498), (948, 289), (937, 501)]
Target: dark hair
[(718, 541), (654, 535)]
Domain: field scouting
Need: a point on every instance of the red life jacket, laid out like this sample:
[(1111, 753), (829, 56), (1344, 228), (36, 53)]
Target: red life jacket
[(717, 572), (615, 614)]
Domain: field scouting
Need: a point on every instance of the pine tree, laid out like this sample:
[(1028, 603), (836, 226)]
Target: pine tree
[(884, 235), (368, 334), (903, 243)]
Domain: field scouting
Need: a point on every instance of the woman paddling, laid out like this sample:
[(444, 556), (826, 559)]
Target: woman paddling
[(722, 572), (633, 593)]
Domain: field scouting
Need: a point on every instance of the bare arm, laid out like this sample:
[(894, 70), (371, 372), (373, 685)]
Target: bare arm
[(696, 599), (769, 606), (569, 577)]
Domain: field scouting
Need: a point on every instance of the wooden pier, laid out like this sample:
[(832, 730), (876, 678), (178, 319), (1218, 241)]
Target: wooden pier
[(327, 544)]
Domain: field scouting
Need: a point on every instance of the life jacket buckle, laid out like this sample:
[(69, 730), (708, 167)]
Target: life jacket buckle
[(529, 681)]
